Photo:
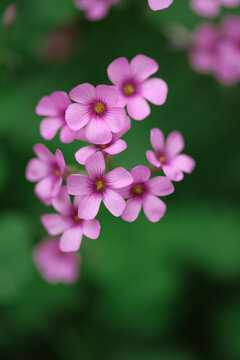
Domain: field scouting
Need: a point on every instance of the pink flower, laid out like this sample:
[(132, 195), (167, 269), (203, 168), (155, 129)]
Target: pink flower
[(9, 16), (134, 86), (67, 222), (54, 108), (95, 9), (54, 265), (167, 155), (144, 192), (115, 146), (98, 187), (159, 4), (48, 171), (211, 8), (97, 110)]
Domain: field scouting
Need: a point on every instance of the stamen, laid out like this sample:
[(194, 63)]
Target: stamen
[(138, 189), (162, 159), (77, 219), (129, 89), (99, 108), (104, 146), (100, 185)]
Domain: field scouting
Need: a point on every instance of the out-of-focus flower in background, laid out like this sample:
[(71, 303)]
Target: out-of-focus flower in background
[(95, 9), (9, 16), (159, 4), (211, 8), (54, 265)]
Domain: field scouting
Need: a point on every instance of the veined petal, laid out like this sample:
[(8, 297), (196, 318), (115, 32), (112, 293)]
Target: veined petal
[(83, 154), (116, 147), (118, 178), (153, 207), (160, 186), (114, 202), (142, 67), (97, 131), (132, 209), (77, 116), (138, 108), (70, 240), (60, 99), (78, 184), (95, 166), (83, 93), (140, 174), (115, 119), (118, 70), (89, 206), (46, 107), (62, 202), (107, 94), (91, 228)]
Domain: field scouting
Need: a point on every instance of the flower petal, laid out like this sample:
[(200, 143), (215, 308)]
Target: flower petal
[(172, 172), (91, 228), (125, 128), (132, 209), (118, 178), (50, 126), (125, 192), (116, 118), (138, 108), (77, 116), (157, 140), (107, 94), (151, 156), (174, 144), (83, 93), (71, 239), (160, 186), (46, 107), (62, 202), (83, 154), (89, 206), (114, 202), (116, 147), (97, 131), (140, 173), (60, 99), (185, 163), (153, 208), (155, 90), (95, 166), (67, 135), (159, 4), (60, 161), (44, 188), (118, 70), (142, 67), (43, 153), (78, 184), (55, 224), (56, 187), (36, 170)]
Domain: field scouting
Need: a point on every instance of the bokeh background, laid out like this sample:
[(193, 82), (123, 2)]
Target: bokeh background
[(168, 291)]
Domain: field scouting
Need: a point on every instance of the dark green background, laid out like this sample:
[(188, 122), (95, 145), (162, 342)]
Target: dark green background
[(168, 291)]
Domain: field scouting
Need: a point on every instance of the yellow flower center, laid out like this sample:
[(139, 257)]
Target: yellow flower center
[(104, 146), (162, 159), (137, 189), (100, 185), (57, 172), (77, 219), (99, 108), (128, 89)]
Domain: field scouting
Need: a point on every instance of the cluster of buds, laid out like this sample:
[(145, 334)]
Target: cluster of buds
[(98, 116)]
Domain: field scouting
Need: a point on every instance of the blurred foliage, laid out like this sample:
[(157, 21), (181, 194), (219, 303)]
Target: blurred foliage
[(147, 291)]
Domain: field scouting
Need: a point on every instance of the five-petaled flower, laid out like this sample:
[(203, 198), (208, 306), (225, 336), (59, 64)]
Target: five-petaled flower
[(98, 187), (167, 156), (48, 171), (159, 4), (54, 265), (131, 79), (144, 192), (67, 222), (97, 110)]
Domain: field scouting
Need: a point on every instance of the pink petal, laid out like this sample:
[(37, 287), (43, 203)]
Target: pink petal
[(132, 209), (172, 172), (151, 156), (159, 4), (83, 93), (62, 202), (95, 166), (46, 107), (36, 170), (70, 240), (125, 192), (83, 154), (115, 119), (114, 202), (78, 184), (107, 94), (153, 208), (141, 174), (89, 206), (43, 189), (77, 116), (126, 127), (160, 186), (67, 135), (91, 228), (157, 140), (118, 71), (118, 178), (60, 161), (77, 200), (55, 224), (155, 90), (97, 131), (138, 108), (97, 12), (49, 127), (116, 147), (142, 67), (60, 99), (174, 144), (43, 153), (185, 163), (57, 187)]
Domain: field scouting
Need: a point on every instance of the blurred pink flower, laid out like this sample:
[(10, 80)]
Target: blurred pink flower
[(131, 79), (98, 187), (68, 223), (211, 8), (48, 171), (167, 156), (9, 16), (159, 4), (97, 109), (54, 265), (54, 108), (95, 9), (144, 192), (115, 146)]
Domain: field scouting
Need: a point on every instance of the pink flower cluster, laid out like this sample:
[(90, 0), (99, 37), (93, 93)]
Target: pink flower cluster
[(98, 116), (211, 8), (216, 50)]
